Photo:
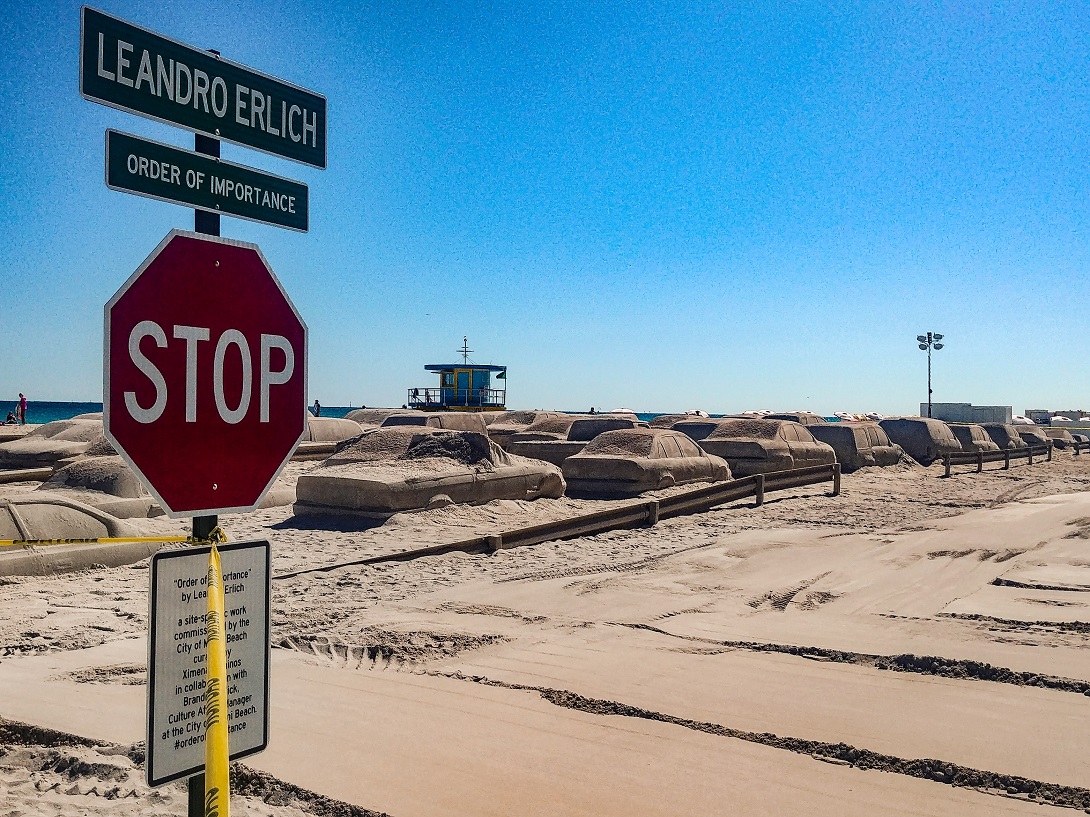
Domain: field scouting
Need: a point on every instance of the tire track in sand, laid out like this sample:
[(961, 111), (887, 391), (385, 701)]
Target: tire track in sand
[(905, 662), (939, 771)]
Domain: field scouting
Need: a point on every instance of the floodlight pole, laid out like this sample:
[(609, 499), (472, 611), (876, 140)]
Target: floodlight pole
[(927, 342), (929, 377)]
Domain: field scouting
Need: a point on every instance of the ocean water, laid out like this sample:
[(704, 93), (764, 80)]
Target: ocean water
[(42, 411)]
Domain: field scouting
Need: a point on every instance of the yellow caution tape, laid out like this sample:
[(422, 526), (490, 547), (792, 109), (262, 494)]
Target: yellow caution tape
[(217, 755), (217, 535)]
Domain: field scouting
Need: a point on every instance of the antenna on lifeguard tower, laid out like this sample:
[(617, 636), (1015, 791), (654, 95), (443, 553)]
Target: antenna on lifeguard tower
[(465, 350)]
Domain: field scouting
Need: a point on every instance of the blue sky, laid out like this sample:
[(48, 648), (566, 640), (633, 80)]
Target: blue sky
[(662, 206)]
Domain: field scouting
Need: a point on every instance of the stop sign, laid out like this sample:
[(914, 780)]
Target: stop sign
[(204, 374)]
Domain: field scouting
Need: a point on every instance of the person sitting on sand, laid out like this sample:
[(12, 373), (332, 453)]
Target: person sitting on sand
[(11, 421)]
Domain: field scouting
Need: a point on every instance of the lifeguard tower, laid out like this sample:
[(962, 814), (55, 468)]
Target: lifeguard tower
[(463, 386)]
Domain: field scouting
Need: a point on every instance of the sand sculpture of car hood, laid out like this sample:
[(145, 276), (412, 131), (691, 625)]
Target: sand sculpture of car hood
[(404, 468)]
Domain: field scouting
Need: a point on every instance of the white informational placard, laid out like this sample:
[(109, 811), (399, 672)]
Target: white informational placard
[(176, 656)]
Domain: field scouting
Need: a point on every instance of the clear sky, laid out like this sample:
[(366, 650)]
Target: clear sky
[(663, 206)]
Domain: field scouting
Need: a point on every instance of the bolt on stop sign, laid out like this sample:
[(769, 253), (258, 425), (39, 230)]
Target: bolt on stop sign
[(204, 374)]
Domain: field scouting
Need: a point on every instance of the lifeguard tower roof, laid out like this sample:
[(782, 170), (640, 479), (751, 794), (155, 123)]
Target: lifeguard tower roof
[(450, 367)]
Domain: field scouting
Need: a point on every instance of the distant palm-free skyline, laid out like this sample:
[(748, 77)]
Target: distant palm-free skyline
[(662, 206)]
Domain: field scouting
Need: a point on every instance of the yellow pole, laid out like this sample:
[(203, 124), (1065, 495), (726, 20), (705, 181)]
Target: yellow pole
[(217, 783)]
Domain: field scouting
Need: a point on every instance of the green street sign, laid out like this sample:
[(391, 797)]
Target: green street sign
[(136, 70), (167, 173)]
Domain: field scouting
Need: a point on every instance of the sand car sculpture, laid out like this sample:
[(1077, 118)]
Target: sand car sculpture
[(758, 446), (555, 449), (630, 461), (1061, 437), (1032, 435), (52, 442), (446, 420), (508, 423), (1005, 435), (547, 428), (409, 468), (373, 417), (973, 437), (858, 444), (923, 438)]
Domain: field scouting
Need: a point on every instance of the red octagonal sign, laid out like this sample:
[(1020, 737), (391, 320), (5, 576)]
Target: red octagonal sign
[(204, 376)]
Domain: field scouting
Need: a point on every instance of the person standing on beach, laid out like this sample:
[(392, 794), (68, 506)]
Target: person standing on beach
[(317, 409), (22, 409)]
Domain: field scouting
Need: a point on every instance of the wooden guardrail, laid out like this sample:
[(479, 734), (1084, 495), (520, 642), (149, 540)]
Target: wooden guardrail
[(1078, 447), (978, 458), (630, 515)]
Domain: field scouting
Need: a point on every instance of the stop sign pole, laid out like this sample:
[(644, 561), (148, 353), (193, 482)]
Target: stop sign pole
[(209, 224)]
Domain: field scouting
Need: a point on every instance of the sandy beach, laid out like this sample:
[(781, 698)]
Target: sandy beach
[(916, 645)]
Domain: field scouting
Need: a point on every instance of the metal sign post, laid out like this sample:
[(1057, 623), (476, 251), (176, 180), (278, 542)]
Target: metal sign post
[(208, 223)]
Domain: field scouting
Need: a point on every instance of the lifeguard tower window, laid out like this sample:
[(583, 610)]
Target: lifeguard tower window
[(448, 379)]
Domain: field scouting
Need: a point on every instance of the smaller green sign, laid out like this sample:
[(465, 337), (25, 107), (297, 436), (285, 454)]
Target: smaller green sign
[(166, 173)]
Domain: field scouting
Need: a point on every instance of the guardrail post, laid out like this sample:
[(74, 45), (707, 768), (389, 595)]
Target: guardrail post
[(493, 543), (946, 460), (979, 461), (652, 513), (1050, 451), (759, 490), (1030, 449), (836, 479), (1006, 459)]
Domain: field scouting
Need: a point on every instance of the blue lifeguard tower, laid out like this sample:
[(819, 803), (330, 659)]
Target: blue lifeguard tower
[(463, 386)]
